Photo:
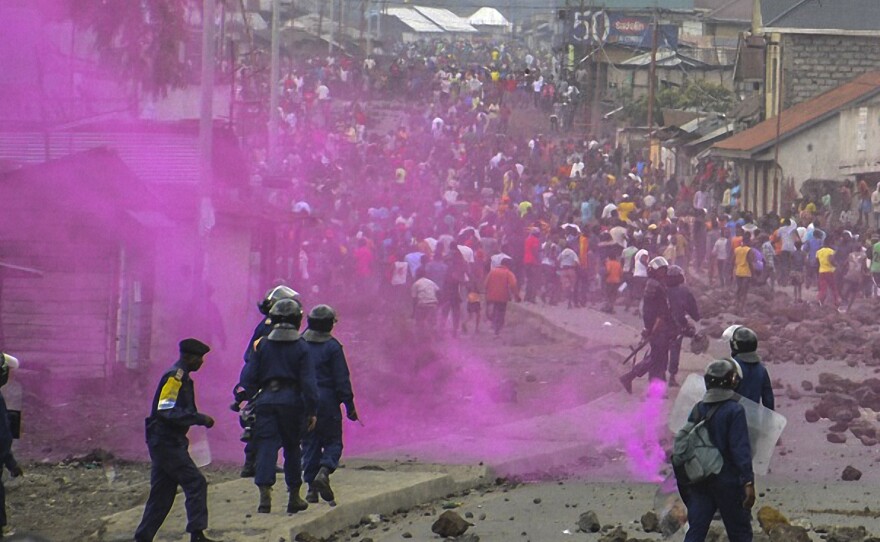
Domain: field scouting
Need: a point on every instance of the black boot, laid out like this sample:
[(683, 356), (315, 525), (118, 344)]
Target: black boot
[(322, 483), (312, 494), (672, 382), (248, 470), (265, 505), (200, 536), (294, 501)]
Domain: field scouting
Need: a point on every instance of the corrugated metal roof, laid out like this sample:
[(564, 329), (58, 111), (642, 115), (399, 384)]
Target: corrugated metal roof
[(801, 116), (726, 10), (413, 19), (445, 19), (847, 15), (487, 16)]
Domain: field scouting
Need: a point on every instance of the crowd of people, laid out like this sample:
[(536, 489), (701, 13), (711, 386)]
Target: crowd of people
[(441, 188), (441, 211)]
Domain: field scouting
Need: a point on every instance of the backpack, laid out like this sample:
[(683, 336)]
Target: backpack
[(694, 457)]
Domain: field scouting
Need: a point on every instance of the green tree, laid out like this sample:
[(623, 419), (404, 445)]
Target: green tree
[(141, 40), (697, 95)]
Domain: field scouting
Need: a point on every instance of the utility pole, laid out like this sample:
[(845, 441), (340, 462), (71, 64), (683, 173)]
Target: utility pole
[(341, 23), (330, 33), (652, 76), (206, 109), (363, 22), (274, 76), (369, 28), (205, 220)]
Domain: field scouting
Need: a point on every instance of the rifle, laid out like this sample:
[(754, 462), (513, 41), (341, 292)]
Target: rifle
[(636, 349)]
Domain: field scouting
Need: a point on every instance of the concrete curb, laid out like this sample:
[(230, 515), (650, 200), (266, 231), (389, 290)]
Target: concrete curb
[(362, 488)]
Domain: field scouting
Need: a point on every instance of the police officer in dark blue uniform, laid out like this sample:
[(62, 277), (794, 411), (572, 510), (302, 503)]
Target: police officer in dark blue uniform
[(263, 328), (322, 448), (7, 460), (731, 491), (682, 304), (659, 329), (755, 384), (173, 412), (280, 380)]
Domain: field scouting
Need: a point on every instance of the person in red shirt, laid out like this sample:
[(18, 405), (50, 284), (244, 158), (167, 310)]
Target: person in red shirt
[(501, 287), (532, 264)]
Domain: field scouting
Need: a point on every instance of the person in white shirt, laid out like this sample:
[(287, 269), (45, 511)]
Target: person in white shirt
[(721, 255), (568, 263), (640, 274), (424, 293)]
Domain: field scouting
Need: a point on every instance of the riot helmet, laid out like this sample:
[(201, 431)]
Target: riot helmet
[(286, 316), (721, 374), (322, 318), (743, 340), (7, 362), (674, 276), (658, 267), (276, 294)]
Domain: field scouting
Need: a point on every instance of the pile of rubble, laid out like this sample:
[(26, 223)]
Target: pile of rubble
[(800, 333), (851, 405)]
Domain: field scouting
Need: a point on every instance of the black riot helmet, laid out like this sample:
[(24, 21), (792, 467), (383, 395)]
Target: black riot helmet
[(743, 340), (322, 318), (674, 276), (721, 374), (276, 294), (286, 311)]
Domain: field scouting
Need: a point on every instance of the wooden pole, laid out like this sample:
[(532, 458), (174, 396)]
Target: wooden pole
[(652, 75)]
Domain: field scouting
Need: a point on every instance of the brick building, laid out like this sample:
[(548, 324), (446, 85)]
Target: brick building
[(813, 47)]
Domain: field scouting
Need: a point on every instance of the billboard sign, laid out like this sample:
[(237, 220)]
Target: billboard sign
[(604, 27)]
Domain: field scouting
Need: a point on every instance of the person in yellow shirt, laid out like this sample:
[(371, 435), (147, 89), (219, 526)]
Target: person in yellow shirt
[(743, 267), (625, 207), (827, 282)]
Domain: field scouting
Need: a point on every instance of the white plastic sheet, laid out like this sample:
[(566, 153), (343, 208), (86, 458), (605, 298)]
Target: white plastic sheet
[(199, 448)]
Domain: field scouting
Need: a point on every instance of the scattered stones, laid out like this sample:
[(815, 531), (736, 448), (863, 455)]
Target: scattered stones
[(536, 500), (851, 474), (769, 517), (802, 522), (812, 416), (407, 535), (469, 515), (588, 522), (616, 534), (847, 534), (836, 438), (807, 385), (450, 524), (306, 536), (788, 533), (650, 522), (470, 537)]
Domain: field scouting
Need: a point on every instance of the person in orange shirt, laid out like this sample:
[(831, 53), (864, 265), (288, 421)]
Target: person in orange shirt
[(613, 278), (501, 287)]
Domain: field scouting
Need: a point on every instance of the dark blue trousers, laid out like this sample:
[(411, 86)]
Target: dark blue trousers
[(278, 427), (172, 467), (323, 446), (703, 500)]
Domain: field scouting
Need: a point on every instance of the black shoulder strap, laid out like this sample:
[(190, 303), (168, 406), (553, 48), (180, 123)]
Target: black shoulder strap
[(696, 417), (712, 411)]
